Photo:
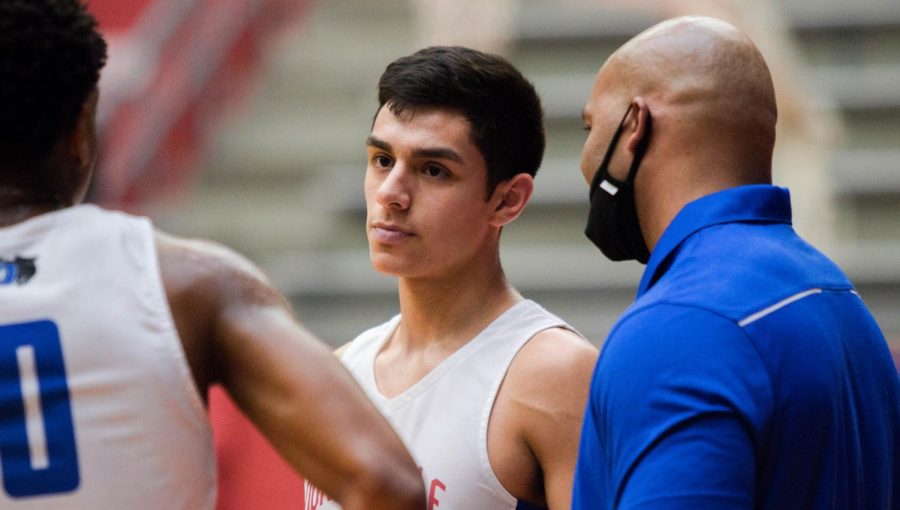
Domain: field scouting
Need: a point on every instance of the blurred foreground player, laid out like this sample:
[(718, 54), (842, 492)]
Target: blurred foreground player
[(748, 373), (111, 332), (486, 388)]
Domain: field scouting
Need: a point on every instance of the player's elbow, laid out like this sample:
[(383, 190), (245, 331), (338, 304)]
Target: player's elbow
[(388, 484)]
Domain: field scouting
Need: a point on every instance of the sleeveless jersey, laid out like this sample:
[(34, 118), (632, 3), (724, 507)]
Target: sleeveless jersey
[(98, 408), (443, 418)]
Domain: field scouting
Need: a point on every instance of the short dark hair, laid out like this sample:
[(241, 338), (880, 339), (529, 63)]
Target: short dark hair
[(502, 107), (50, 60)]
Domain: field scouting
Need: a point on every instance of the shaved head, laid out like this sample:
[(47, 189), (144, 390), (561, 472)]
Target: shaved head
[(710, 96), (702, 64)]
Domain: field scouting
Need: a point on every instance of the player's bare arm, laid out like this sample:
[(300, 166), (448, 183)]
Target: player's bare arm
[(287, 382), (536, 422)]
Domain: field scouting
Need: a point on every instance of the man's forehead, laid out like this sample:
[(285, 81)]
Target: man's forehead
[(589, 105), (436, 123), (413, 112), (607, 83)]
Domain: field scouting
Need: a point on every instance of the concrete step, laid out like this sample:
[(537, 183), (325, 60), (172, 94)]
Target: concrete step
[(319, 92), (320, 100), (256, 219), (338, 294), (547, 22), (860, 89), (559, 182)]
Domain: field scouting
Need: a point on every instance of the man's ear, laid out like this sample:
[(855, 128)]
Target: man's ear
[(86, 131), (79, 145), (510, 197), (76, 151), (637, 124)]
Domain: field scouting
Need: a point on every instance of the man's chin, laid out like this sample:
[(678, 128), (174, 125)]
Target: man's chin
[(388, 264)]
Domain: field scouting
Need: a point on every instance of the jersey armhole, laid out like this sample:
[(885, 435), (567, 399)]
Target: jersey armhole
[(158, 301), (484, 424)]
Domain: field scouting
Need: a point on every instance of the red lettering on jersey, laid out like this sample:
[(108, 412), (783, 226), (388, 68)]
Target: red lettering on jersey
[(314, 498), (432, 493)]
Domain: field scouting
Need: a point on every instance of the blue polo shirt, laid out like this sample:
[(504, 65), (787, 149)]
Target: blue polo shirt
[(747, 374)]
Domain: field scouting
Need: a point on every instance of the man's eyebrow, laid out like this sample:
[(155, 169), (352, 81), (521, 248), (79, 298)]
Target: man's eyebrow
[(584, 114), (426, 152), (378, 144), (439, 153)]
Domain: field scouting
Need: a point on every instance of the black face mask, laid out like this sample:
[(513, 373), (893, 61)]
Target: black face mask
[(612, 222)]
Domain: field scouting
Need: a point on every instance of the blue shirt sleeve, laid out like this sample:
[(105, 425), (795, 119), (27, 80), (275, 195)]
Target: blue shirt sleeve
[(678, 403)]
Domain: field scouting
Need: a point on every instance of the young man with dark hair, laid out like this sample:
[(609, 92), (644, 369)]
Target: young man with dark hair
[(486, 388), (111, 332)]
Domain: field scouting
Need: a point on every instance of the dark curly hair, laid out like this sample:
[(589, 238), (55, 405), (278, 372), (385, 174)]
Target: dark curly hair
[(50, 59), (502, 107)]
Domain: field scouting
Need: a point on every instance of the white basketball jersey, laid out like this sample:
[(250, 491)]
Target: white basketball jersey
[(443, 418), (98, 409)]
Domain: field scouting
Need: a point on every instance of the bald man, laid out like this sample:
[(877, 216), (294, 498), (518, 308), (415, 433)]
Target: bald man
[(748, 373)]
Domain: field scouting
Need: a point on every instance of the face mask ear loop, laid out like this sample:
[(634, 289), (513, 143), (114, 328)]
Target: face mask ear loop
[(639, 152), (598, 175)]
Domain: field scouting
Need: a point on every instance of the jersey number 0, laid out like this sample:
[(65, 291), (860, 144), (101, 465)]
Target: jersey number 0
[(37, 438)]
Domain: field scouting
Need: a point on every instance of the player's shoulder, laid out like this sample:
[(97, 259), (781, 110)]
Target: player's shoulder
[(548, 384), (202, 254), (557, 355), (553, 347), (204, 267)]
